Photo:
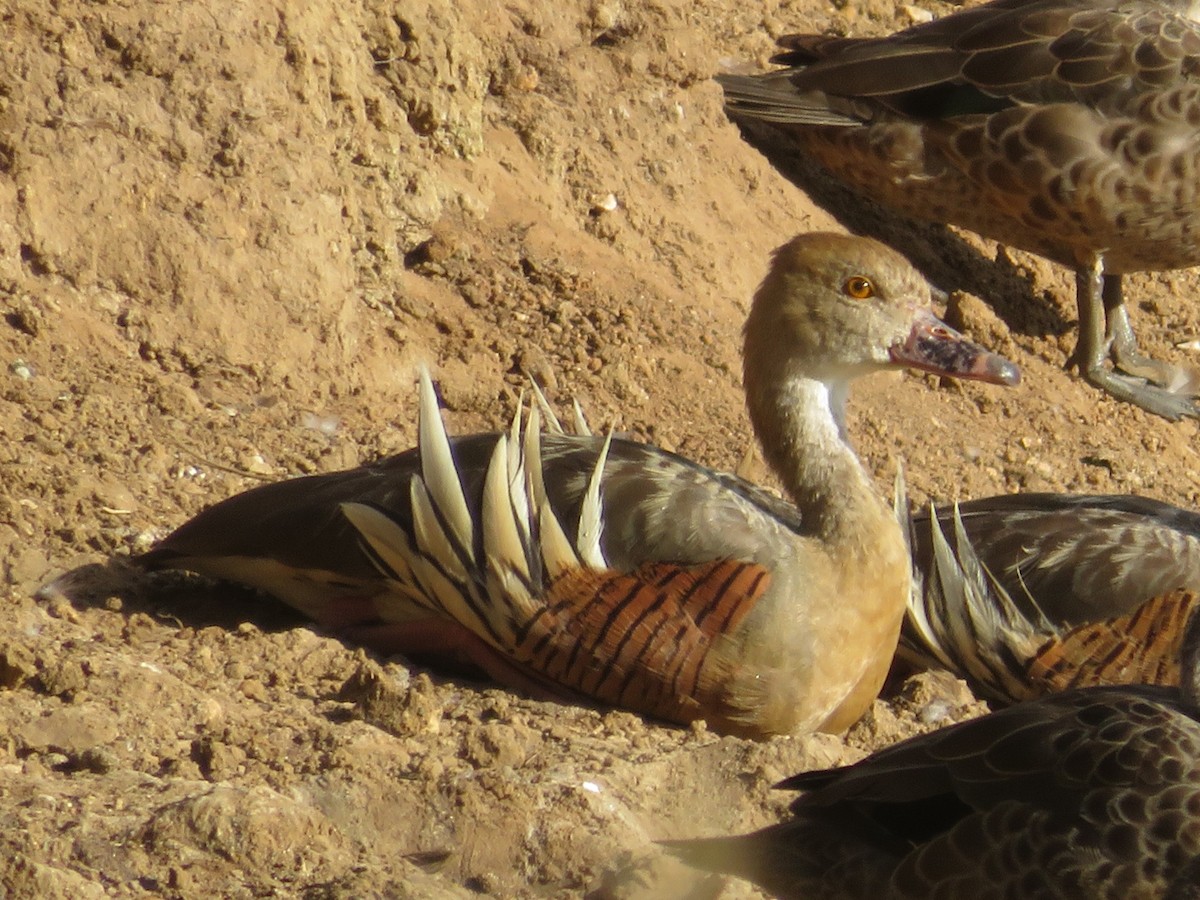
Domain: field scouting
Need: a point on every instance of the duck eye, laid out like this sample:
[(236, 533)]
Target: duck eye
[(859, 287)]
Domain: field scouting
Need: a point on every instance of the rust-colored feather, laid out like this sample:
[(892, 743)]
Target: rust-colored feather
[(646, 639), (1140, 648)]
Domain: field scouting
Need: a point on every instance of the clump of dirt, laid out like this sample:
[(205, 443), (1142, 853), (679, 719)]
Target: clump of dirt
[(230, 232)]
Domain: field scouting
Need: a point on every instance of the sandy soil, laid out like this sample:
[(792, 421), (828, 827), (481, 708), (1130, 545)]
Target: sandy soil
[(230, 231)]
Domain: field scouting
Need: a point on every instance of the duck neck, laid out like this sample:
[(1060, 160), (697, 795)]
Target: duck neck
[(799, 422)]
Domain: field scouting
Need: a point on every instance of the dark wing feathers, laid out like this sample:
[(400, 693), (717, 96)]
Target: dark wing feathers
[(299, 521), (1044, 751), (1002, 54), (1090, 793)]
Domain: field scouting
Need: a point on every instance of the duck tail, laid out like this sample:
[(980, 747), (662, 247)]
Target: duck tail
[(770, 97)]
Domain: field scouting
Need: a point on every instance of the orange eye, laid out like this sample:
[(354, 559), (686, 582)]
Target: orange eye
[(859, 287)]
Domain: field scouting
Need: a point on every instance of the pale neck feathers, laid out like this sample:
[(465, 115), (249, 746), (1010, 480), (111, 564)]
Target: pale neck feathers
[(799, 421)]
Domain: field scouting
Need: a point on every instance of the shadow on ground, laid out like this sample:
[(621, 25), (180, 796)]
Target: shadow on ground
[(950, 262)]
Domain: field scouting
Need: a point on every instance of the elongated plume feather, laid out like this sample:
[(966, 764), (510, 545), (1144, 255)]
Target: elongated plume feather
[(513, 485), (505, 548), (518, 493), (523, 545), (432, 585), (591, 524), (549, 543), (582, 428), (439, 472), (535, 483), (553, 425), (431, 539), (389, 547), (461, 602), (964, 627), (558, 553), (514, 456)]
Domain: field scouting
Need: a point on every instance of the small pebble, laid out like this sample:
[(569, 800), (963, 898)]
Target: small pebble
[(253, 689)]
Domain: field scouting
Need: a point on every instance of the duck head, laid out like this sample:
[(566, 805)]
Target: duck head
[(835, 307)]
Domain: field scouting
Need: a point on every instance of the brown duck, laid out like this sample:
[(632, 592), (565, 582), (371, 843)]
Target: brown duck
[(574, 566), (1070, 128), (1025, 594), (1091, 794)]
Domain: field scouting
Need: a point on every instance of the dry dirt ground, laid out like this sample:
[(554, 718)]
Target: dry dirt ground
[(229, 233)]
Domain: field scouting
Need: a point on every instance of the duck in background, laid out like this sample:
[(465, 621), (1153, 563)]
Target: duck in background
[(1087, 794), (1025, 594), (580, 567), (1069, 128)]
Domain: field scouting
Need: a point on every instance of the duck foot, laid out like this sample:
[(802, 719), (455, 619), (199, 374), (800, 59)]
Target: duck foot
[(1138, 391), (1177, 379), (1162, 388)]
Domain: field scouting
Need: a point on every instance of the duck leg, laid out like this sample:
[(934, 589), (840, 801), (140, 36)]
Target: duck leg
[(1159, 387)]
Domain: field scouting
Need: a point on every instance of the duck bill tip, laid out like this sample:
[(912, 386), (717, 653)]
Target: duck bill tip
[(933, 346)]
